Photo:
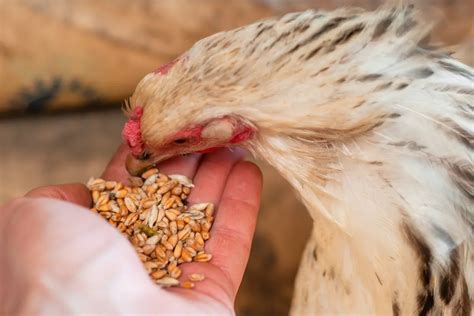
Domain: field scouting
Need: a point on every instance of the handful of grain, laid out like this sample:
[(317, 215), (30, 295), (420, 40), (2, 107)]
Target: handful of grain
[(153, 214)]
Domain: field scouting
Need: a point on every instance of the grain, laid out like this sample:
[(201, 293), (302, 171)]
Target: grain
[(206, 226), (195, 226), (173, 240), (198, 207), (173, 227), (196, 215), (183, 180), (187, 285), (209, 210), (135, 181), (148, 203), (160, 252), (182, 234), (167, 245), (114, 207), (131, 218), (186, 256), (167, 281), (203, 257), (95, 196), (205, 235), (196, 277), (171, 215), (148, 249), (151, 190), (96, 184), (153, 214), (153, 240), (167, 186), (199, 239), (180, 224), (150, 180), (178, 249), (149, 266), (149, 173), (103, 199), (110, 185), (162, 224), (175, 272), (129, 203), (158, 274), (103, 208), (177, 190)]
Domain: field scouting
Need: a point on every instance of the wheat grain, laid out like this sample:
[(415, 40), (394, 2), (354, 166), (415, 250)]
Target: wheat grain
[(153, 214), (187, 285), (196, 277)]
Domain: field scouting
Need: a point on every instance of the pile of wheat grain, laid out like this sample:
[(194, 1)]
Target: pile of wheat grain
[(153, 214)]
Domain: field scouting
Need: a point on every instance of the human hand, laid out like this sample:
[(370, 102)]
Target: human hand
[(58, 257)]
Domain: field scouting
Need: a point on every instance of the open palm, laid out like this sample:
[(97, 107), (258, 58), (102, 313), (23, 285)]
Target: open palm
[(57, 257)]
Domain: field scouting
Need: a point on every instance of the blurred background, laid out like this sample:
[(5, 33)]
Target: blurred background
[(66, 66)]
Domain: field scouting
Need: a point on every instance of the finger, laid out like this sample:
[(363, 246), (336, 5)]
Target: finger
[(234, 226), (184, 165), (230, 237), (115, 169), (212, 175), (76, 193)]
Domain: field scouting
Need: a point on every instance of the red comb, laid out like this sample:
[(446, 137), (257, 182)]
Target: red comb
[(163, 69), (131, 132)]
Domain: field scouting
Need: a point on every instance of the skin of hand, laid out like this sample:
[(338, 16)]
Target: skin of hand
[(57, 257)]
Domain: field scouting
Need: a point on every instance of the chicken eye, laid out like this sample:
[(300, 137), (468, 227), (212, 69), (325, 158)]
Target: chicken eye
[(144, 156), (180, 141)]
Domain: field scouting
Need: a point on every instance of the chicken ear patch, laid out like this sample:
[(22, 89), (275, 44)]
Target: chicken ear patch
[(222, 129)]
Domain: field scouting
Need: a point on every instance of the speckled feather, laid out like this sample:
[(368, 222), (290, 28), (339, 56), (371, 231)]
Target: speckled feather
[(375, 133)]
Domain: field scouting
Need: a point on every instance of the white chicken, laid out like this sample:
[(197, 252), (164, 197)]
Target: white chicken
[(374, 131)]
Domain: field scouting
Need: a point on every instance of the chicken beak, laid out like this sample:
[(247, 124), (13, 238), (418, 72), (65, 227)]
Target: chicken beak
[(135, 166)]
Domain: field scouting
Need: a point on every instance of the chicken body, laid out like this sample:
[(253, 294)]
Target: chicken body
[(375, 133)]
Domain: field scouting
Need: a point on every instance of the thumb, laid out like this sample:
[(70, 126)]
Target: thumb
[(76, 193)]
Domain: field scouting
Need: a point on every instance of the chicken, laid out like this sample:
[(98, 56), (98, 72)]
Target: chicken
[(372, 127)]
